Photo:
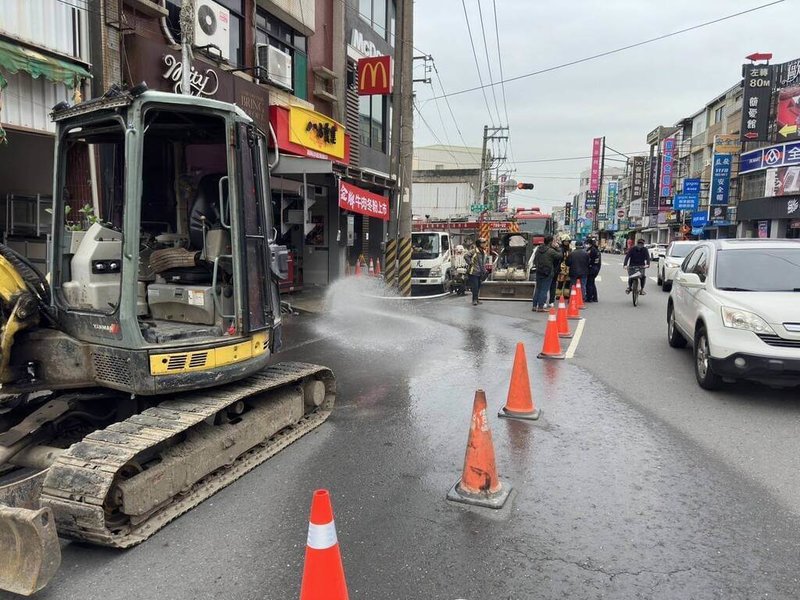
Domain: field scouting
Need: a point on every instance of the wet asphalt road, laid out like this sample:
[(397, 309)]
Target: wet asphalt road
[(634, 484)]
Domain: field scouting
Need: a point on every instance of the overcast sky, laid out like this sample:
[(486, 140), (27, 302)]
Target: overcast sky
[(622, 96)]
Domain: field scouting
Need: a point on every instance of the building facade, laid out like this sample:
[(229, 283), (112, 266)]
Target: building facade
[(290, 64), (446, 181), (45, 58)]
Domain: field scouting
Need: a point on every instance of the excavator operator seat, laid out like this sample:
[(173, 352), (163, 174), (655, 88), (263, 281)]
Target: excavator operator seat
[(96, 271)]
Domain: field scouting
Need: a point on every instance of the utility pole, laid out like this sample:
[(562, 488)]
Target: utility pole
[(489, 133), (186, 20), (398, 246), (600, 188)]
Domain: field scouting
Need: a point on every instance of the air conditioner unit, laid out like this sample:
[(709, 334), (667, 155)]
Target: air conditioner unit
[(276, 66), (212, 27)]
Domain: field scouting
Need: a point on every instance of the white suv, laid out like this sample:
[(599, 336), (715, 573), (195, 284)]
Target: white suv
[(668, 263), (738, 303)]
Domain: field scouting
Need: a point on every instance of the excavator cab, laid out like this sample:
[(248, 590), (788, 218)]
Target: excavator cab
[(163, 275), (163, 284)]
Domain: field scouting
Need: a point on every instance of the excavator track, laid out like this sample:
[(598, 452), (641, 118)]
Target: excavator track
[(78, 487)]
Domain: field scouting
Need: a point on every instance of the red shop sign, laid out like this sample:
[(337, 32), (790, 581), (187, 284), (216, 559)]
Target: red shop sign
[(360, 201)]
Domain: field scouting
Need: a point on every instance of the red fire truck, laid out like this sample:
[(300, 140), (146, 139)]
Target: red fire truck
[(529, 220)]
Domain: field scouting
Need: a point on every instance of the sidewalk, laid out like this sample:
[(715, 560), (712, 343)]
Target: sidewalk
[(309, 300)]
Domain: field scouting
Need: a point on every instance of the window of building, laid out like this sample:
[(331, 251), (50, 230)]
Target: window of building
[(753, 185), (276, 33), (372, 111), (719, 114), (380, 14), (236, 9)]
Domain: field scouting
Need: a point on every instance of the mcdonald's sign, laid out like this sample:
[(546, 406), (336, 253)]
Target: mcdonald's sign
[(375, 76)]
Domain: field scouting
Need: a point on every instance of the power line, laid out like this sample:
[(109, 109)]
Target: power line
[(477, 66), (489, 63), (433, 133), (615, 51), (502, 76)]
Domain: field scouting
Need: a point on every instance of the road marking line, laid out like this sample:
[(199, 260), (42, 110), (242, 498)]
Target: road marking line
[(653, 279), (598, 278), (623, 278), (573, 345)]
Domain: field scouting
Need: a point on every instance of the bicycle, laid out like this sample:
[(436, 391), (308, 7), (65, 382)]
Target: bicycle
[(634, 276)]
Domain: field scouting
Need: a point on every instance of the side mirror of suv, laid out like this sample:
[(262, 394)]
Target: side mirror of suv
[(689, 280)]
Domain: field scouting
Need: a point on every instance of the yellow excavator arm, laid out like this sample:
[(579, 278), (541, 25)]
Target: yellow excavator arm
[(18, 310)]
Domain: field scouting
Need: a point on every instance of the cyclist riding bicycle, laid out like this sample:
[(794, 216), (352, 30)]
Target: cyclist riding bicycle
[(636, 260)]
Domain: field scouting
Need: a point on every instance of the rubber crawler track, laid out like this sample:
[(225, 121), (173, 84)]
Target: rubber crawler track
[(78, 482)]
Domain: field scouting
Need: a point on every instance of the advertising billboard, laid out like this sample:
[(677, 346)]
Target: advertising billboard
[(784, 181), (787, 104)]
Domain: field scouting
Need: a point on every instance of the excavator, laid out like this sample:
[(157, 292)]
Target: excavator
[(136, 375)]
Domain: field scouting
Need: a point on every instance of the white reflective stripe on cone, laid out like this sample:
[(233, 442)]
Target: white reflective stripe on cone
[(321, 537)]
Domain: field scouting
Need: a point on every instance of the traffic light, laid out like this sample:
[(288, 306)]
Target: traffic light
[(524, 186)]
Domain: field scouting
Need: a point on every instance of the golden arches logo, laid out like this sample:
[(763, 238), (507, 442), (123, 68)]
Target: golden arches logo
[(373, 75)]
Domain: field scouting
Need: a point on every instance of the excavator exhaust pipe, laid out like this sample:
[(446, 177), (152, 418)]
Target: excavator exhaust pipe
[(30, 553)]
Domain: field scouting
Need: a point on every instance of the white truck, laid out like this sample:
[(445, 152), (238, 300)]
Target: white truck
[(431, 262)]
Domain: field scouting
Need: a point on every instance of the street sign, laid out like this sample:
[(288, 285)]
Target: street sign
[(478, 208), (685, 202)]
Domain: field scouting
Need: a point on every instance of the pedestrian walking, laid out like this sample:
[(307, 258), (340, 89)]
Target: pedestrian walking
[(547, 255), (476, 269), (595, 260), (578, 263)]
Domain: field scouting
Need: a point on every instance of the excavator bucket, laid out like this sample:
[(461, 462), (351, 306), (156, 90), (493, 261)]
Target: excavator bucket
[(30, 553)]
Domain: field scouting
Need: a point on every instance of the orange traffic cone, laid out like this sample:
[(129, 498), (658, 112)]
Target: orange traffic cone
[(377, 267), (561, 319), (519, 403), (371, 268), (358, 268), (479, 484), (579, 287), (323, 574), (572, 308), (552, 346)]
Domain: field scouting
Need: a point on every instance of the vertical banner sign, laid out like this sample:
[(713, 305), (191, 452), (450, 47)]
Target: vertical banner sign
[(502, 202), (637, 186), (652, 190), (567, 213), (667, 163), (611, 208), (720, 179), (594, 176), (591, 200), (755, 103), (787, 110)]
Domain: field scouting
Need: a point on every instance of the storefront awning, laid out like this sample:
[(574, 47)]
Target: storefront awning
[(15, 58), (295, 165)]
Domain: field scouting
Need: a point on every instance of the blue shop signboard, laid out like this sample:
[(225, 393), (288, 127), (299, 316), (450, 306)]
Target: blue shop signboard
[(720, 179)]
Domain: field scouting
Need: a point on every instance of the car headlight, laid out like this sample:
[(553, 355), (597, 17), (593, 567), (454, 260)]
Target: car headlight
[(742, 319), (436, 272)]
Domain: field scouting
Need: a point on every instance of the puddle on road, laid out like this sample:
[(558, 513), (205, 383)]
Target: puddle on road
[(363, 315)]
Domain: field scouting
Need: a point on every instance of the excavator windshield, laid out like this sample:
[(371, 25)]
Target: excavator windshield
[(92, 186)]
